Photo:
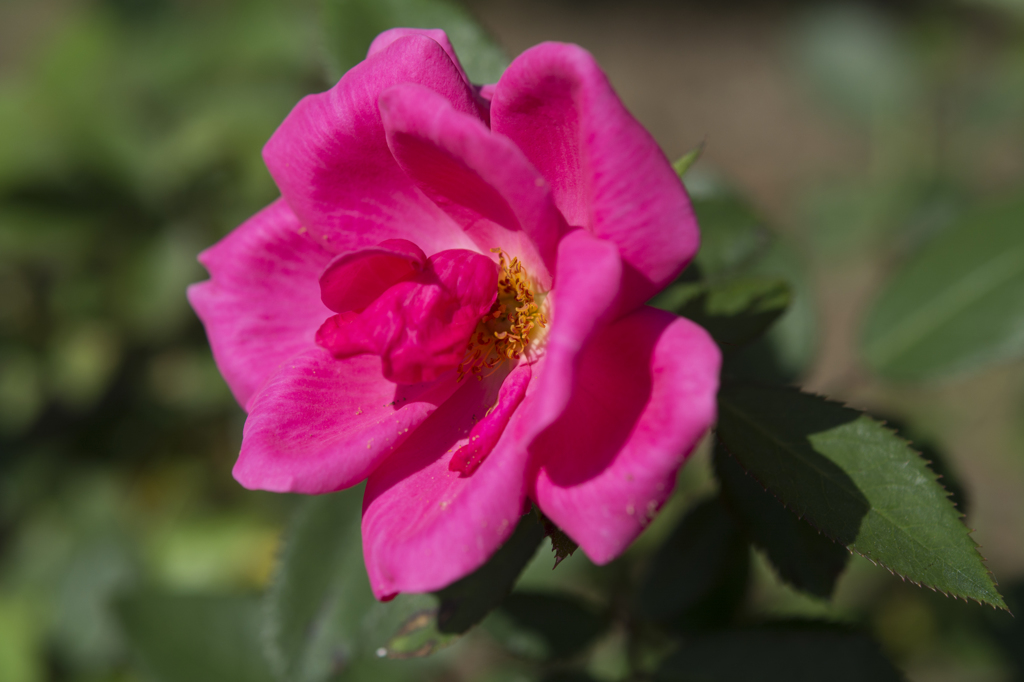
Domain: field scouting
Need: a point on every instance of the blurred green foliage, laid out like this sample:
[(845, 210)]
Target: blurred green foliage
[(351, 24), (130, 140), (958, 304)]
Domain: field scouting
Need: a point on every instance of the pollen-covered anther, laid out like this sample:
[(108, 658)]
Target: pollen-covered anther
[(513, 323)]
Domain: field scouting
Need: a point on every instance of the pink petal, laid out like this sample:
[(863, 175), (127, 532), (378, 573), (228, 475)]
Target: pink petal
[(354, 280), (261, 305), (488, 430), (420, 327), (583, 301), (487, 91), (425, 526), (607, 173), (644, 396), (323, 424), (382, 41), (481, 180), (331, 160)]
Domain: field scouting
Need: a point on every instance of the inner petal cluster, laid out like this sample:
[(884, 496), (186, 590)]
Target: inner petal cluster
[(513, 327), (422, 310)]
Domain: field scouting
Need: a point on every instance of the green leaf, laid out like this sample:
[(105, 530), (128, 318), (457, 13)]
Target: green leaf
[(699, 575), (958, 305), (734, 312), (465, 602), (732, 236), (856, 482), (934, 454), (793, 338), (353, 24), (561, 544), (546, 626), (85, 631), (418, 635), (323, 621), (857, 59), (450, 612), (803, 556), (683, 163), (797, 653), (192, 638), (736, 244), (320, 591)]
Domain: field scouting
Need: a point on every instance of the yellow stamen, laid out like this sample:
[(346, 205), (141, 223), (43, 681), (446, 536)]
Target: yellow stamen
[(512, 324)]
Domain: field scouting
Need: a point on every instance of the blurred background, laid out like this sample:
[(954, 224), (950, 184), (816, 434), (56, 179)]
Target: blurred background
[(130, 137)]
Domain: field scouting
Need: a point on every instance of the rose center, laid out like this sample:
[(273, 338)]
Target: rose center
[(513, 327)]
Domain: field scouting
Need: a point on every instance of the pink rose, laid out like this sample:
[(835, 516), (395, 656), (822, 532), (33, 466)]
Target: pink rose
[(448, 302)]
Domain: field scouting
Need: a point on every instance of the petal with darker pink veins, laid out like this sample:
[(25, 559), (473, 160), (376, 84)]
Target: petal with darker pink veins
[(323, 424), (643, 397), (261, 305), (331, 160), (606, 171), (583, 301), (483, 181), (425, 526)]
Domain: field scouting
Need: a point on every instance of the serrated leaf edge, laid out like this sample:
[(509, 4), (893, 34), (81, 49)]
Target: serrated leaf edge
[(763, 547), (960, 514), (270, 629)]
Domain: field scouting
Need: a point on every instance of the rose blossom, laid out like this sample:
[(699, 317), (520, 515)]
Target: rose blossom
[(448, 302)]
